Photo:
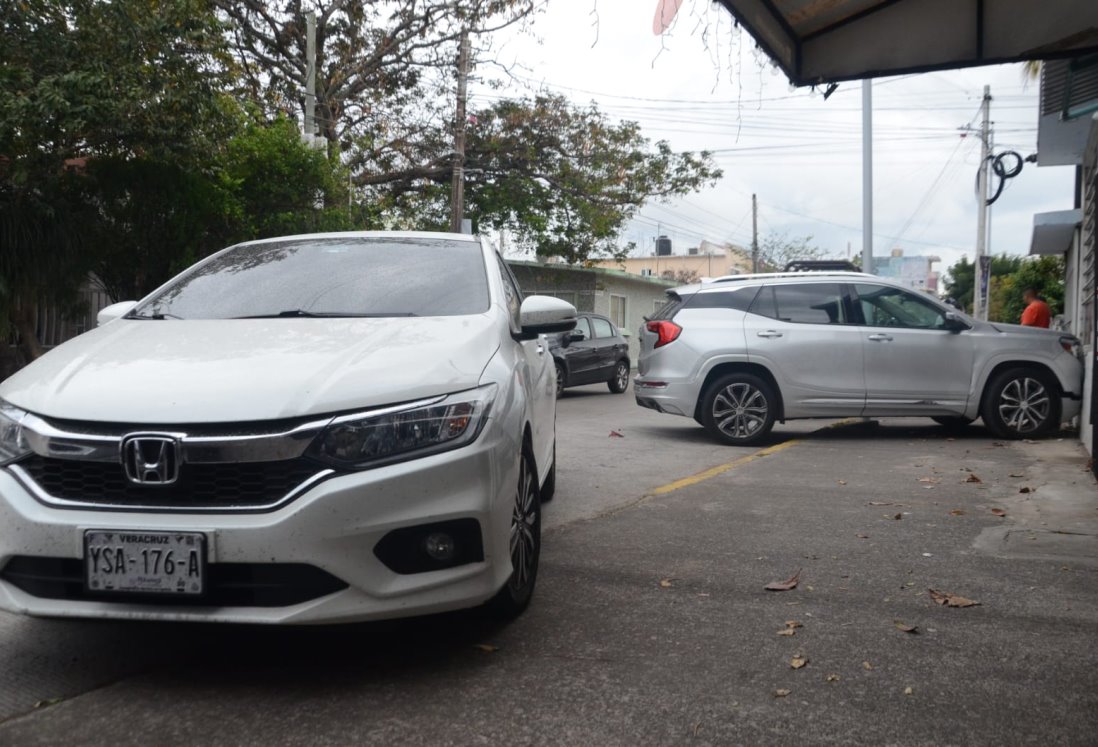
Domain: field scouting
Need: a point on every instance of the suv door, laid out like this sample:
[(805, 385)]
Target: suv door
[(913, 364), (606, 347), (804, 333)]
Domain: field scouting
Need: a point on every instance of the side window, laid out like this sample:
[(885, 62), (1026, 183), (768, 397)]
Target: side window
[(739, 299), (802, 303), (583, 327), (511, 292), (602, 327), (885, 306)]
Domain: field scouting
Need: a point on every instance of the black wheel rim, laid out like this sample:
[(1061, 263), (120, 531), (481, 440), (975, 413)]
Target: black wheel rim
[(621, 376), (524, 525), (1024, 405), (740, 410), (560, 380)]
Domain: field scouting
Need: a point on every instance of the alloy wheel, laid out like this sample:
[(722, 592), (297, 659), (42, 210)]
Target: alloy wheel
[(524, 518), (740, 410), (621, 376), (1024, 404)]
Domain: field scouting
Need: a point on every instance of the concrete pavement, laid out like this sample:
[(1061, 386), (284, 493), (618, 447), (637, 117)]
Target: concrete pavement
[(651, 624)]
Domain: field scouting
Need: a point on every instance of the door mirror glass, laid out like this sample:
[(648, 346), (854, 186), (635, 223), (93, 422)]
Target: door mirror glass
[(114, 311), (954, 322)]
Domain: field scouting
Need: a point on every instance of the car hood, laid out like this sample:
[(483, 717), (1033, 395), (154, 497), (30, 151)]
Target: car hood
[(1018, 329), (210, 371)]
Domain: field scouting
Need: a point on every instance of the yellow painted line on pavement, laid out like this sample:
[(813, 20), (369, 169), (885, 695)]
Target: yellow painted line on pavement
[(722, 468)]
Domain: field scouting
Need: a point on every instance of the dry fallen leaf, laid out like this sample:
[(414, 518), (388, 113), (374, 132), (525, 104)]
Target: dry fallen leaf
[(781, 692), (951, 600), (793, 624), (908, 691), (486, 647), (998, 512), (1017, 474), (842, 482), (862, 536), (973, 478), (788, 632), (878, 503), (897, 517), (832, 678), (1025, 489), (905, 628), (616, 434), (666, 583), (790, 583), (867, 666), (956, 512), (927, 479), (798, 662)]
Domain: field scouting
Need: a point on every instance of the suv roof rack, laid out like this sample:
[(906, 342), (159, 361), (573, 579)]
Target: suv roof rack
[(802, 274), (811, 265)]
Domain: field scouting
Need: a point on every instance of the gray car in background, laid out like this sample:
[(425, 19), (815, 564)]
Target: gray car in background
[(740, 353)]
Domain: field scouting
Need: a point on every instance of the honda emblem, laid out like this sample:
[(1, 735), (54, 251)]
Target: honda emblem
[(150, 459)]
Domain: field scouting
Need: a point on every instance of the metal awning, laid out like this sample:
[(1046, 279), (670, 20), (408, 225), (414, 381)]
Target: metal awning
[(1053, 231), (824, 41)]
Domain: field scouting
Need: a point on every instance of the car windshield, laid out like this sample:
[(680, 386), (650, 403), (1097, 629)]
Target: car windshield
[(329, 277)]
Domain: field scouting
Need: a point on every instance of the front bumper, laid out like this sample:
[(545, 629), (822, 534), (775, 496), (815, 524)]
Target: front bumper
[(334, 527)]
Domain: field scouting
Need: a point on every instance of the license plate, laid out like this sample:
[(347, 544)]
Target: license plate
[(145, 562)]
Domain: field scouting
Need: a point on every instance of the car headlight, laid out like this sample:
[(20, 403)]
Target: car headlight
[(13, 444), (369, 440)]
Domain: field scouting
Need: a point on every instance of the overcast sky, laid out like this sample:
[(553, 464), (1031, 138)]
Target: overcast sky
[(799, 153)]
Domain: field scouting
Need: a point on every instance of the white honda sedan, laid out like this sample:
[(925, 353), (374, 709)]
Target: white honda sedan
[(311, 429)]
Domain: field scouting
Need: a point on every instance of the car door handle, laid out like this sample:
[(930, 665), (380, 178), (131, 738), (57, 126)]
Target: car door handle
[(769, 333), (541, 349), (881, 338)]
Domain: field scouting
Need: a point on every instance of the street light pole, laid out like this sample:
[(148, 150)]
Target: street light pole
[(457, 191), (982, 269), (867, 175)]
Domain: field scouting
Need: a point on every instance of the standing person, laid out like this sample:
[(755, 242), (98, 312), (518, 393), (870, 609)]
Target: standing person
[(1036, 313)]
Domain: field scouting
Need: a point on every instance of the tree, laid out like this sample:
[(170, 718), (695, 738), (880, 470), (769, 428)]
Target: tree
[(82, 80), (1043, 274), (961, 278), (560, 178), (776, 250)]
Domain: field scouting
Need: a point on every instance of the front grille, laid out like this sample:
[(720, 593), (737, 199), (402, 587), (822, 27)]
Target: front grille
[(222, 486), (227, 584)]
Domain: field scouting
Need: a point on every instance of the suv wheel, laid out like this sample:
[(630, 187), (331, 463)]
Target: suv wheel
[(525, 544), (1021, 403), (739, 409), (620, 381)]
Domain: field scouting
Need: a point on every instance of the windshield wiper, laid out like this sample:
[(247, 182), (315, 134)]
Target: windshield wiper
[(158, 316), (324, 314)]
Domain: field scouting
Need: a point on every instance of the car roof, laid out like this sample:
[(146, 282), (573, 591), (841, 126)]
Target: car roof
[(370, 235), (731, 281)]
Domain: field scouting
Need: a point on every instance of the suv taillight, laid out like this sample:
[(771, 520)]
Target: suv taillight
[(667, 332)]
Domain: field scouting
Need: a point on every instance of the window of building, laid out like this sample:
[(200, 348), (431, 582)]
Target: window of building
[(617, 310)]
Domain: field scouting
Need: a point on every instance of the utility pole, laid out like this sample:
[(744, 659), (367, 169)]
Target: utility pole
[(754, 234), (457, 192), (983, 269), (310, 78), (867, 175)]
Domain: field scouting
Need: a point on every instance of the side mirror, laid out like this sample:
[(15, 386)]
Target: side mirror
[(545, 315), (954, 323), (112, 312), (575, 336)]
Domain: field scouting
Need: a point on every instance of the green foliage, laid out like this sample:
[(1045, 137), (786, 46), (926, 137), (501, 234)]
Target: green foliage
[(565, 179), (960, 282)]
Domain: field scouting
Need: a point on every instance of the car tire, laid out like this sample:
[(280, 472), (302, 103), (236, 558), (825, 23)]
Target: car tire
[(1022, 403), (953, 422), (561, 378), (619, 382), (525, 544), (739, 409)]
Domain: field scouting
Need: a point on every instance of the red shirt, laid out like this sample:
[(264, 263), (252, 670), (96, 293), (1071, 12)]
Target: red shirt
[(1037, 314)]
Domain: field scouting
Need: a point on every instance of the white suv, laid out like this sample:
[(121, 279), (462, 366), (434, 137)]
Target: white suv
[(741, 352), (323, 428)]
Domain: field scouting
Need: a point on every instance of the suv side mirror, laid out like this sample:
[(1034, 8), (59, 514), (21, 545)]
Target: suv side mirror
[(575, 336), (545, 315), (954, 323)]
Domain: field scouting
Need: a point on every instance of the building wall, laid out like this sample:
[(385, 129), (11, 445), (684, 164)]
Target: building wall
[(576, 285), (704, 265), (638, 298)]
